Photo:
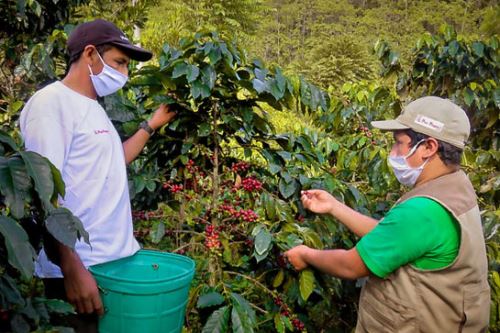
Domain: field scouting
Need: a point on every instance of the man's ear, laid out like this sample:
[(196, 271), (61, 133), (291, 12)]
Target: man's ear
[(431, 147), (88, 54)]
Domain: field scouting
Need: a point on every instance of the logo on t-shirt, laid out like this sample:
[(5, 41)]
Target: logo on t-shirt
[(101, 131)]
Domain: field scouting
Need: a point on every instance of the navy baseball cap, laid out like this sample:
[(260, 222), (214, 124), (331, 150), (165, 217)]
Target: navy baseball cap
[(100, 32)]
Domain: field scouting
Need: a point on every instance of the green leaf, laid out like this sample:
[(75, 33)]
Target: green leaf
[(198, 89), (218, 321), (210, 299), (279, 325), (285, 155), (275, 90), (20, 252), (453, 48), (209, 76), (278, 279), (180, 70), (468, 95), (287, 189), (306, 283), (58, 306), (242, 315), (14, 184), (263, 241), (239, 322), (9, 291), (192, 73), (478, 48), (204, 130), (260, 257), (19, 324), (158, 233), (66, 227), (214, 55), (7, 139), (496, 97), (39, 170), (259, 85)]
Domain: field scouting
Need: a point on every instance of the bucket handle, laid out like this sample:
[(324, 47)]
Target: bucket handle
[(102, 290)]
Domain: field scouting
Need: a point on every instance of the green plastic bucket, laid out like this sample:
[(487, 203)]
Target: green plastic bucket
[(146, 292)]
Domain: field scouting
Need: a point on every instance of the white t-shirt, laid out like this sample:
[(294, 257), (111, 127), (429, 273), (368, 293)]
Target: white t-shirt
[(75, 134)]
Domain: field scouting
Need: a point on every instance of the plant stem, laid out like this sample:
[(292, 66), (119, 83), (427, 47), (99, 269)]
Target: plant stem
[(269, 291)]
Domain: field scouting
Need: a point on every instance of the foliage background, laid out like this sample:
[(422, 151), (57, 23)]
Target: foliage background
[(370, 56)]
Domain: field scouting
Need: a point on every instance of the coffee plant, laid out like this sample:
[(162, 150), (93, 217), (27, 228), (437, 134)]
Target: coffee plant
[(29, 189)]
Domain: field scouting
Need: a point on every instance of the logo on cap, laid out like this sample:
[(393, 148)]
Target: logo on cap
[(124, 38), (430, 123)]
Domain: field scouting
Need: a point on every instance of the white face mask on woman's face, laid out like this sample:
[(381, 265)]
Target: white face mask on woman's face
[(405, 174), (108, 81)]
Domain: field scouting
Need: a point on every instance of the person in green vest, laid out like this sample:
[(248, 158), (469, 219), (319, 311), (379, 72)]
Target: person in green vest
[(426, 259)]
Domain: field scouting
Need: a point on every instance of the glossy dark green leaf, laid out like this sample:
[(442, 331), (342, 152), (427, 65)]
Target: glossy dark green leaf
[(478, 49), (204, 130), (8, 140), (198, 89), (453, 48), (14, 184), (287, 189), (209, 76), (65, 227), (214, 55), (192, 73), (19, 324), (239, 322), (241, 302), (21, 254), (9, 291), (259, 85), (39, 169), (210, 299), (218, 322), (263, 241), (58, 306), (468, 96), (180, 70), (227, 54), (275, 90)]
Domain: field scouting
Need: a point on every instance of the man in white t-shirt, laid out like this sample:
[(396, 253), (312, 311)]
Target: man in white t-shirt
[(65, 123)]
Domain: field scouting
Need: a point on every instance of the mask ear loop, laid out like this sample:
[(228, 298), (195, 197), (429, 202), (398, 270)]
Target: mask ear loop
[(414, 149), (102, 60)]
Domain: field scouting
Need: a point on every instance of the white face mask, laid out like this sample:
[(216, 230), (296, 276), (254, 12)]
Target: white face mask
[(108, 81), (405, 174)]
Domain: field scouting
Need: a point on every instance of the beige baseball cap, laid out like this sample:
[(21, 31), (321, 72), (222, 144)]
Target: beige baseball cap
[(434, 116)]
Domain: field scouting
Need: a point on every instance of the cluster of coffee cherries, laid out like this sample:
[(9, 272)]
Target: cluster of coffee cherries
[(281, 261), (193, 169), (285, 311), (298, 324), (173, 188), (250, 184), (367, 133), (140, 215), (246, 215), (212, 237), (240, 166)]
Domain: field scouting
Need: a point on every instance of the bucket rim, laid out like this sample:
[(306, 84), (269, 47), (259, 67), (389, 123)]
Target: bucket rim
[(189, 272)]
